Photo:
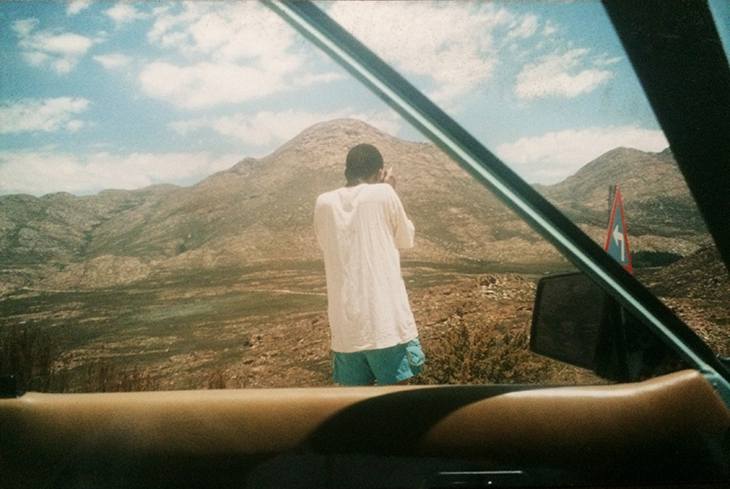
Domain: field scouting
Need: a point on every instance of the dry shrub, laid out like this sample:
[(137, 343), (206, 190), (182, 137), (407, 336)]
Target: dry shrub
[(216, 379), (105, 376), (31, 356), (477, 353)]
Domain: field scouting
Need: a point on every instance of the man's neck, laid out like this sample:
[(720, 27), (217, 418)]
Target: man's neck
[(359, 181)]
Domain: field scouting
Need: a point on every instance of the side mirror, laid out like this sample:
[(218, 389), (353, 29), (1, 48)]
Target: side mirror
[(576, 322)]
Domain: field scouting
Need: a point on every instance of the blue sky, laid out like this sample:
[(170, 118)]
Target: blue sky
[(129, 94)]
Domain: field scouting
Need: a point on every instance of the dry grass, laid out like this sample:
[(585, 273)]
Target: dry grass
[(217, 378), (105, 376), (473, 331), (464, 351), (477, 353), (31, 356)]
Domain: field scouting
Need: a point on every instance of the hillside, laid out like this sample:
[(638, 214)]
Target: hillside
[(656, 201), (39, 236), (701, 275), (260, 210)]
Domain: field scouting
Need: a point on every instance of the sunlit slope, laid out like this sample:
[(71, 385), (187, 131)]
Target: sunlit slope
[(654, 194), (260, 210)]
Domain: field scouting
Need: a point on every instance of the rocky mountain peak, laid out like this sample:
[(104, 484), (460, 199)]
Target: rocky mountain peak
[(338, 129), (244, 167), (326, 144)]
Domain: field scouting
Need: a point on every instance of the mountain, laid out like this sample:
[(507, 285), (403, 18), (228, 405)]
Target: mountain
[(660, 212), (701, 275), (39, 236), (652, 186), (260, 210)]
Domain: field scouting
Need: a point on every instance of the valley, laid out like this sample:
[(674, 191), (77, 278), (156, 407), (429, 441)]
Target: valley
[(266, 326)]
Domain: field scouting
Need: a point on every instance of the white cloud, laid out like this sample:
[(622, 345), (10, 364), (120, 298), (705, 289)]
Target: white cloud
[(524, 28), (45, 171), (452, 44), (237, 52), (224, 31), (77, 6), (555, 156), (268, 128), (59, 50), (208, 84), (559, 76), (124, 13), (113, 61), (549, 29), (47, 115)]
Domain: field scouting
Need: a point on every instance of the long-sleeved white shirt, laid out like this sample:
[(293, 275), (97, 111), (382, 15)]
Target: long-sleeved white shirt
[(360, 230)]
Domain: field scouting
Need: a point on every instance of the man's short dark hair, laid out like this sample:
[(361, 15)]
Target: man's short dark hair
[(363, 161)]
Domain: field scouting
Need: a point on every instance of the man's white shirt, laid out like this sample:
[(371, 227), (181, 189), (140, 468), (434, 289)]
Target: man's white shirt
[(360, 230)]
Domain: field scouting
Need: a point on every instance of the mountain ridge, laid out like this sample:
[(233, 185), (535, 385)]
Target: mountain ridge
[(261, 209)]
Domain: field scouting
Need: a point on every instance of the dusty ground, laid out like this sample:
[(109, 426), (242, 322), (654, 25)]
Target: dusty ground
[(269, 328), (294, 354), (297, 354)]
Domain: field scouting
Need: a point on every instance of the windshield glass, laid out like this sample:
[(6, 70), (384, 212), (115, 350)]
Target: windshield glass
[(160, 164)]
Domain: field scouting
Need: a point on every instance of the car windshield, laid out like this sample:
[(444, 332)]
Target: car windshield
[(160, 162)]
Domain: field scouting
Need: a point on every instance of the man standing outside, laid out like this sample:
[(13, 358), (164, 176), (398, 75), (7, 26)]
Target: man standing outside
[(360, 228)]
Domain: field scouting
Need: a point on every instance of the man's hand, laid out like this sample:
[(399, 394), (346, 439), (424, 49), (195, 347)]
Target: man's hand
[(388, 177)]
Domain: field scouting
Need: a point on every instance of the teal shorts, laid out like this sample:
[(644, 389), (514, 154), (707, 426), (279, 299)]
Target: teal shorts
[(384, 366)]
